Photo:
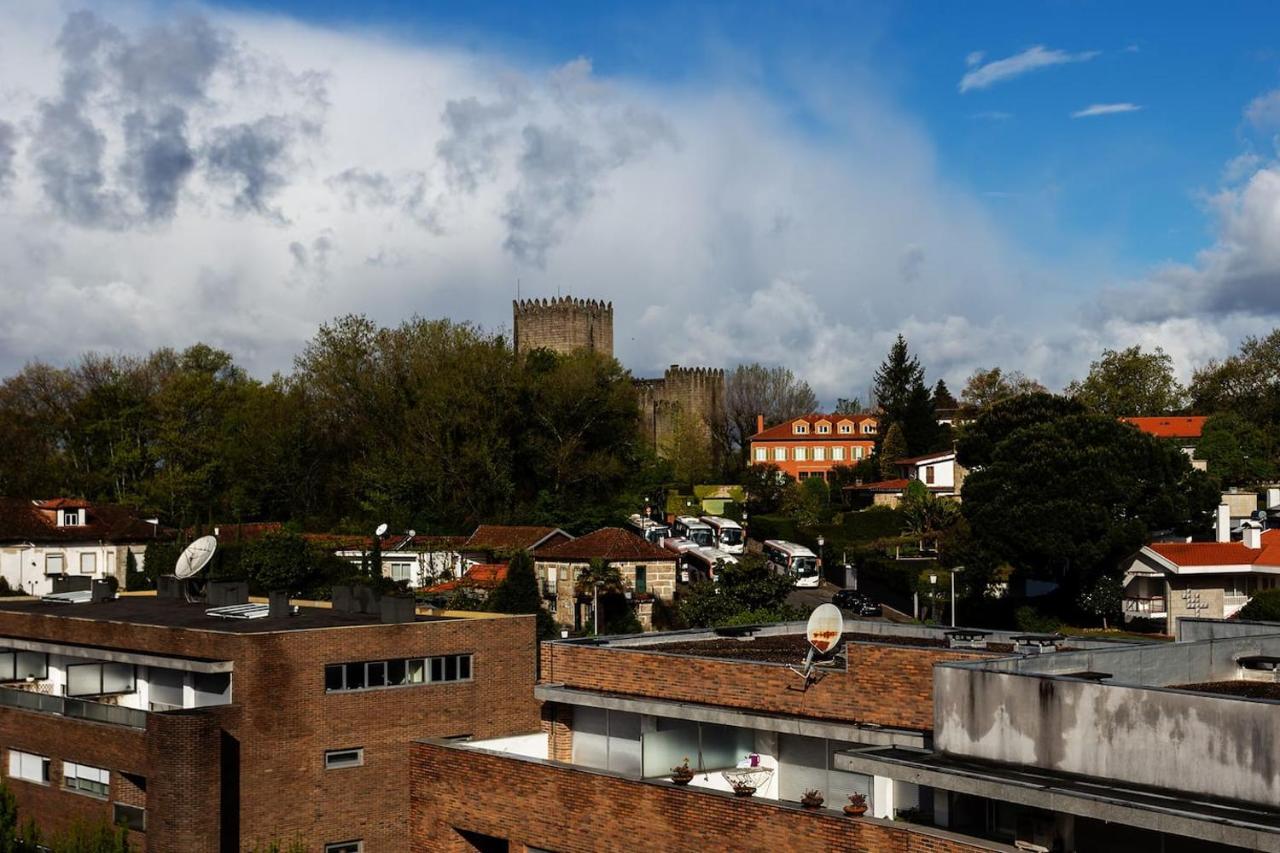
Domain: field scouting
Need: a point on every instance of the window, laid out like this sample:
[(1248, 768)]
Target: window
[(70, 517), (99, 679), (928, 474), (800, 454), (779, 454), (401, 571), (133, 817), (19, 666), (819, 454), (86, 779), (824, 429), (762, 454), (642, 579), (88, 564), (837, 454), (800, 428), (336, 759), (345, 847), (868, 429), (845, 429), (27, 766), (857, 453), (400, 672), (54, 564)]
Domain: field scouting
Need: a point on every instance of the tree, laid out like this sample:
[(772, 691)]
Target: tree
[(1263, 607), (1128, 383), (1247, 383), (766, 486), (752, 390), (8, 821), (902, 396), (927, 516), (1103, 599), (893, 449), (601, 581), (281, 560), (978, 440), (1066, 499), (518, 593), (806, 501), (1236, 451), (688, 451), (942, 398), (848, 406), (985, 388), (742, 594)]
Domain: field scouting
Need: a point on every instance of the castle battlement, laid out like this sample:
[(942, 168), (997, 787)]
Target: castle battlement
[(562, 324)]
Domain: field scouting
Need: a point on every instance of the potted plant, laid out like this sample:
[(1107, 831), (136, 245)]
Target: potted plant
[(742, 789), (857, 805), (811, 799), (682, 774)]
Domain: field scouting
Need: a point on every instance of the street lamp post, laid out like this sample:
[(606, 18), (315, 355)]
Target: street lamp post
[(953, 592), (821, 542), (933, 596)]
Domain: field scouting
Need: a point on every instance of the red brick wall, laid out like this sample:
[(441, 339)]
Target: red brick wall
[(886, 685), (62, 739), (283, 721), (574, 811), (184, 790)]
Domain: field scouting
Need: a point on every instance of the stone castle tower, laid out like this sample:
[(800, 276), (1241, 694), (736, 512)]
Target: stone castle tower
[(695, 391), (563, 324)]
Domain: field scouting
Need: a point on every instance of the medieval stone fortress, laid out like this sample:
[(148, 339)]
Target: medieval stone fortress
[(566, 323)]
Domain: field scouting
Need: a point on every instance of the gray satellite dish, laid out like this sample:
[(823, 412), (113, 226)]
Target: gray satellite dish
[(412, 533), (195, 557), (382, 529), (825, 628)]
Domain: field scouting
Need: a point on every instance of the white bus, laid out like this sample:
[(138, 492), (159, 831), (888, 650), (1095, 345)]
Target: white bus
[(701, 563), (794, 560), (647, 528), (679, 545), (695, 529), (728, 533)]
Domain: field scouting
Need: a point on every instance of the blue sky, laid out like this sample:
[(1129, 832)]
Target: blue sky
[(1011, 184)]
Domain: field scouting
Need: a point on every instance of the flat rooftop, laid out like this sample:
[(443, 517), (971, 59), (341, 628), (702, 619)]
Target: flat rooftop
[(176, 613), (792, 648)]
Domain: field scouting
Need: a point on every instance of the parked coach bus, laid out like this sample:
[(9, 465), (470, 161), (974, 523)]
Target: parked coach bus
[(699, 564), (794, 560), (728, 533), (694, 529), (648, 529)]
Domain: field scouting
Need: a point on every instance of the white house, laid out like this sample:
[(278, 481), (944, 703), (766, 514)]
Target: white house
[(939, 472), (65, 537)]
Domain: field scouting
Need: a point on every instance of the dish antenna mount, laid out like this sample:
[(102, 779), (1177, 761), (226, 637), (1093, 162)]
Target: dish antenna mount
[(825, 628), (191, 562)]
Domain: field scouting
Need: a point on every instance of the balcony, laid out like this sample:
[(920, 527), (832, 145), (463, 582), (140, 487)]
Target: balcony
[(80, 709), (1153, 606)]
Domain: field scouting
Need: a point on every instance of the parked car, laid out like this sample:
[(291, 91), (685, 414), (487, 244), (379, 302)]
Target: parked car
[(858, 602)]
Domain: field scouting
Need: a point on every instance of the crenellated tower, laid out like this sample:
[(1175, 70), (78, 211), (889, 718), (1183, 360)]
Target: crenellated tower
[(563, 324), (694, 391)]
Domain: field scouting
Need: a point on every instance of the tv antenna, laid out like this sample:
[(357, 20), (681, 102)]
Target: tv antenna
[(191, 562), (825, 628)]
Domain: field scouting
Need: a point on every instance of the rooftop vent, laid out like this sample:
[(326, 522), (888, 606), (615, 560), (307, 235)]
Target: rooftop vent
[(1036, 644), (967, 639)]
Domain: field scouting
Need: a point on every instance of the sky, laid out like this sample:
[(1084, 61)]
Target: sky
[(1010, 184)]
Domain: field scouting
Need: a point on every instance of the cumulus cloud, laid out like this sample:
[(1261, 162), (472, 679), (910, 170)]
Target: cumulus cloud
[(1031, 59), (1105, 110), (8, 151), (1264, 111)]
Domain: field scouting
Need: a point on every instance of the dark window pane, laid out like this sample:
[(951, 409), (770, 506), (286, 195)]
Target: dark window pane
[(333, 677), (395, 672), (451, 668), (437, 669), (464, 666), (642, 579), (377, 674), (355, 676)]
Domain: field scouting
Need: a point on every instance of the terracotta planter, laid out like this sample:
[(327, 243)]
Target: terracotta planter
[(812, 804), (681, 779), (855, 811), (743, 791)]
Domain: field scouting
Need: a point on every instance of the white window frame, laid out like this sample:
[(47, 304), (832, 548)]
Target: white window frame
[(800, 455), (837, 454), (354, 846), (819, 454), (857, 452), (85, 779), (28, 767), (779, 454), (341, 759), (59, 559), (846, 429), (762, 454), (800, 428), (93, 563)]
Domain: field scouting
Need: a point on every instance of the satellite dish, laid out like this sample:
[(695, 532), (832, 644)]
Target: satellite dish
[(195, 557), (826, 627), (412, 533), (382, 529)]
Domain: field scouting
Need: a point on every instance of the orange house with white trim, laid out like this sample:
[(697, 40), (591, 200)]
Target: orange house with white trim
[(810, 446)]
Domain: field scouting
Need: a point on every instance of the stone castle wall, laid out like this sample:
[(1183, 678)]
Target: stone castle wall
[(563, 324), (696, 391)]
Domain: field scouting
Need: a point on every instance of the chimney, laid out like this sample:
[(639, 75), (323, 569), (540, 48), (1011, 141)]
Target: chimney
[(1273, 498), (1252, 535), (760, 426), (1223, 525)]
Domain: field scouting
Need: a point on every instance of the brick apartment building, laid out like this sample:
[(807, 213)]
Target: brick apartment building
[(212, 734), (812, 445), (619, 714)]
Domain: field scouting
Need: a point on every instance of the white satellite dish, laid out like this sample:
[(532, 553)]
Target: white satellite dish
[(825, 628), (195, 557), (412, 533), (382, 529)]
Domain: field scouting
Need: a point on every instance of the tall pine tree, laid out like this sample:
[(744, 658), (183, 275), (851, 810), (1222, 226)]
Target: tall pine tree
[(904, 398)]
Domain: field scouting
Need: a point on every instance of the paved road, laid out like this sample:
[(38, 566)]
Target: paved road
[(807, 599)]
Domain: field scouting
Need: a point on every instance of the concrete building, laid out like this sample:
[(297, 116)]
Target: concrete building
[(619, 713), (812, 445), (939, 472), (215, 734), (1167, 747), (69, 538), (648, 571), (563, 324)]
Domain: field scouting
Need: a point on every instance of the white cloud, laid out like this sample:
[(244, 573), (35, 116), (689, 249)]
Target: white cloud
[(1105, 110), (1264, 111), (974, 58), (1031, 59), (992, 115)]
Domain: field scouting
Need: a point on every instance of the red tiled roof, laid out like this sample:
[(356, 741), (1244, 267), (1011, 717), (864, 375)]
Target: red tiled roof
[(1170, 427), (881, 486), (35, 521), (914, 459), (608, 543), (1221, 553), (504, 537), (479, 576), (784, 431)]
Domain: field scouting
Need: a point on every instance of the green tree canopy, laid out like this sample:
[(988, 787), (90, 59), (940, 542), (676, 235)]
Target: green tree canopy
[(746, 593), (1237, 451), (1247, 383), (1129, 382), (987, 387), (979, 438), (1263, 607), (943, 398), (807, 501), (905, 400), (893, 449)]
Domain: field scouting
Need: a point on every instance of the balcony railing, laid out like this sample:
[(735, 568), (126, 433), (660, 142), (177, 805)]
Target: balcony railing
[(1145, 606), (81, 709)]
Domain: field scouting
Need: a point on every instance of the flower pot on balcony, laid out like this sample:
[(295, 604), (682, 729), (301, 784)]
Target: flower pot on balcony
[(857, 806), (811, 800), (682, 774), (743, 790)]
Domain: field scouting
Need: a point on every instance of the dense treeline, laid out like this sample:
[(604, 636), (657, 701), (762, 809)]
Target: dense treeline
[(431, 424)]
